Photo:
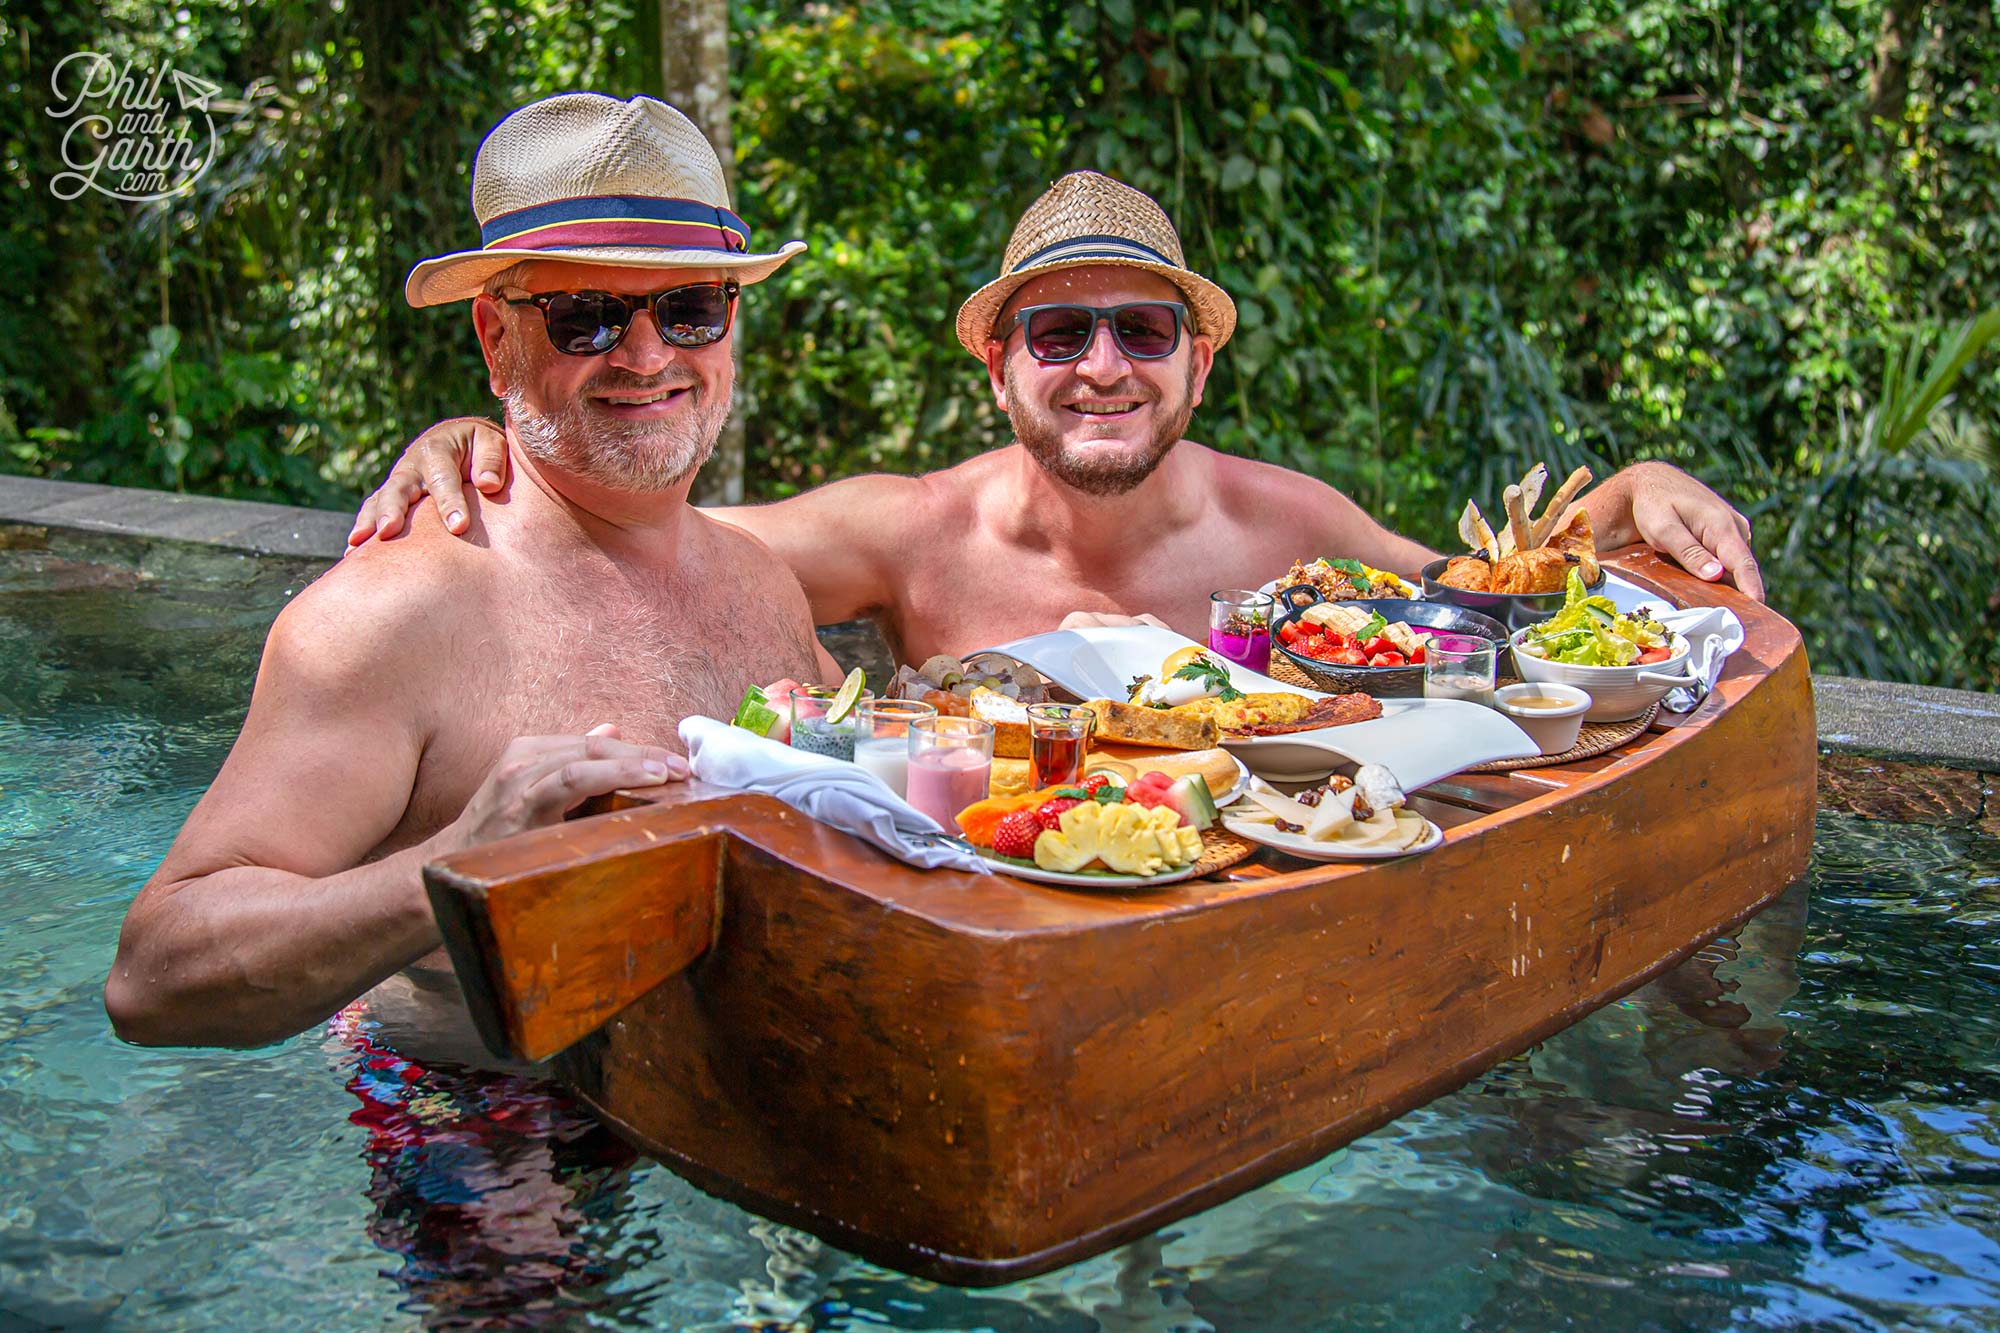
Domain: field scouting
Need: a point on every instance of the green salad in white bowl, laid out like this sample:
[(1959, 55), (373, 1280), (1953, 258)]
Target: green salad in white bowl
[(1625, 661)]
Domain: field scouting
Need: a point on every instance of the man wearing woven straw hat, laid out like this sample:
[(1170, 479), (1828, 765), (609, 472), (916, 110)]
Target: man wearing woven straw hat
[(1097, 341), (437, 693)]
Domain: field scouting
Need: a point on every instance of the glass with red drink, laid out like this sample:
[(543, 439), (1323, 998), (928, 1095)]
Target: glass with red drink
[(1058, 739)]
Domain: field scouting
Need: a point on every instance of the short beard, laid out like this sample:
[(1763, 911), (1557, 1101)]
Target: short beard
[(586, 441), (1094, 475)]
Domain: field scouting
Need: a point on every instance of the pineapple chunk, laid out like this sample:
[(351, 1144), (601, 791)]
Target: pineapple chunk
[(1125, 838), (1059, 851)]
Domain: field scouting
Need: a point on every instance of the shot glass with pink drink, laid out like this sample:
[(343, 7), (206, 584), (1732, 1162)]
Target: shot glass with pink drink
[(1239, 627), (951, 761)]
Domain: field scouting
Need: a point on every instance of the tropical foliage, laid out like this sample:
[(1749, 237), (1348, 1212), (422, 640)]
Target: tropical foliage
[(1758, 239)]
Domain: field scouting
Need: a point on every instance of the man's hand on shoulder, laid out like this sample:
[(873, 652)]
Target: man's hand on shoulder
[(438, 462)]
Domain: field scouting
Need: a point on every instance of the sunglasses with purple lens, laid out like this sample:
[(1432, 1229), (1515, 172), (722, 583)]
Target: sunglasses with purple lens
[(1143, 330)]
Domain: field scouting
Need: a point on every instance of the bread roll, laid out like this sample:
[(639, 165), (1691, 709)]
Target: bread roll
[(1010, 777)]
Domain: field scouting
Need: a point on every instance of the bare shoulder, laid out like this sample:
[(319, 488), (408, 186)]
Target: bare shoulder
[(379, 614)]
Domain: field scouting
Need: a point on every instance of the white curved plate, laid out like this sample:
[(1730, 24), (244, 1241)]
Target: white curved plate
[(1299, 845), (1103, 880)]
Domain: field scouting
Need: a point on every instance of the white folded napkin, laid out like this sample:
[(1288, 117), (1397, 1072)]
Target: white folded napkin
[(832, 791), (1712, 632)]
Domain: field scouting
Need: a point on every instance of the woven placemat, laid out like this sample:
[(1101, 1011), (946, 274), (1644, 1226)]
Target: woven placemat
[(1596, 737)]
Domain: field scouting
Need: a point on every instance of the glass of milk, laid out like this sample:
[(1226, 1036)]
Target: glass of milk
[(1460, 666), (882, 738)]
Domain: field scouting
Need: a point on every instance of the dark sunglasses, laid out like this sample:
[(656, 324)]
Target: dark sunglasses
[(1143, 330), (593, 323)]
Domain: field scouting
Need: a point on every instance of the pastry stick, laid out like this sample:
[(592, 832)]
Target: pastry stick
[(1518, 527), (1546, 524)]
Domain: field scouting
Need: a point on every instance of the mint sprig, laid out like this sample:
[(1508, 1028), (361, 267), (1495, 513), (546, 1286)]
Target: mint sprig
[(1211, 676)]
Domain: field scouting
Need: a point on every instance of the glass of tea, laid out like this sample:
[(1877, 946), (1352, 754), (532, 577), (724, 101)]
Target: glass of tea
[(1058, 739), (1460, 666), (1239, 627), (951, 761)]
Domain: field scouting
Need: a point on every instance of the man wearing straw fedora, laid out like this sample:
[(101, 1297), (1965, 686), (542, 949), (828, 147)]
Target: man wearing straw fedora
[(431, 694), (1097, 340)]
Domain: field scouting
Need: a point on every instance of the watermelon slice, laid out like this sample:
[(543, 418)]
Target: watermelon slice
[(1190, 798)]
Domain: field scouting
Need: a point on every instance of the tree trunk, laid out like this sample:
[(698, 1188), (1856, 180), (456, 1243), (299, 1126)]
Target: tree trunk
[(694, 76), (1889, 78)]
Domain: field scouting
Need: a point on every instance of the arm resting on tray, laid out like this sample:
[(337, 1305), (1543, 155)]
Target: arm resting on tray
[(296, 883)]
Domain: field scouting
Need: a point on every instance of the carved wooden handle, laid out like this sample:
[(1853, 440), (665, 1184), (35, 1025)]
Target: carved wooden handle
[(554, 931)]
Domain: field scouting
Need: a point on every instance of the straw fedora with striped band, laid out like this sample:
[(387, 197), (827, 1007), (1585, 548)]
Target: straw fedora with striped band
[(1087, 218), (592, 179)]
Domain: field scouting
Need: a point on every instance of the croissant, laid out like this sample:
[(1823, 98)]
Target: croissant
[(1468, 573), (1574, 538), (1543, 569)]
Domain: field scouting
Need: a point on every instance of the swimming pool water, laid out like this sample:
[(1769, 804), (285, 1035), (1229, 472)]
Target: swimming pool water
[(1800, 1128)]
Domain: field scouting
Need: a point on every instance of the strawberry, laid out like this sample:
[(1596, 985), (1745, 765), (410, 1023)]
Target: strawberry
[(1050, 812), (1095, 783), (1015, 835)]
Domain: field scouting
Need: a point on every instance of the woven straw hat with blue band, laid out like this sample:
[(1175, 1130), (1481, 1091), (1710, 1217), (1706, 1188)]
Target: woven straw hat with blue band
[(592, 179), (1090, 219)]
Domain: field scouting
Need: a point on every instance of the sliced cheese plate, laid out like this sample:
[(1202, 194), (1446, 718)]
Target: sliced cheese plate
[(1419, 740)]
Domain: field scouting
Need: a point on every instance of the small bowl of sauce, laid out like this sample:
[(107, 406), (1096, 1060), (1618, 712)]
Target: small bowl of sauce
[(1551, 714)]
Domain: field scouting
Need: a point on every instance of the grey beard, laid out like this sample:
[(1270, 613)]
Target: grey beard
[(617, 455), (1093, 476)]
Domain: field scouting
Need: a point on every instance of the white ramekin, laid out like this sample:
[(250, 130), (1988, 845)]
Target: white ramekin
[(1553, 730)]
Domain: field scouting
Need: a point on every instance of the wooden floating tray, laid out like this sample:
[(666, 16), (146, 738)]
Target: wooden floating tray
[(977, 1078)]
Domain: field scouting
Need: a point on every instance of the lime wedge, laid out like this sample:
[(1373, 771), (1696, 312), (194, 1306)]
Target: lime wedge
[(849, 695)]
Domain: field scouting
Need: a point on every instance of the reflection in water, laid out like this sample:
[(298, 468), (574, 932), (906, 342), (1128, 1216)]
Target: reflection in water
[(483, 1184)]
